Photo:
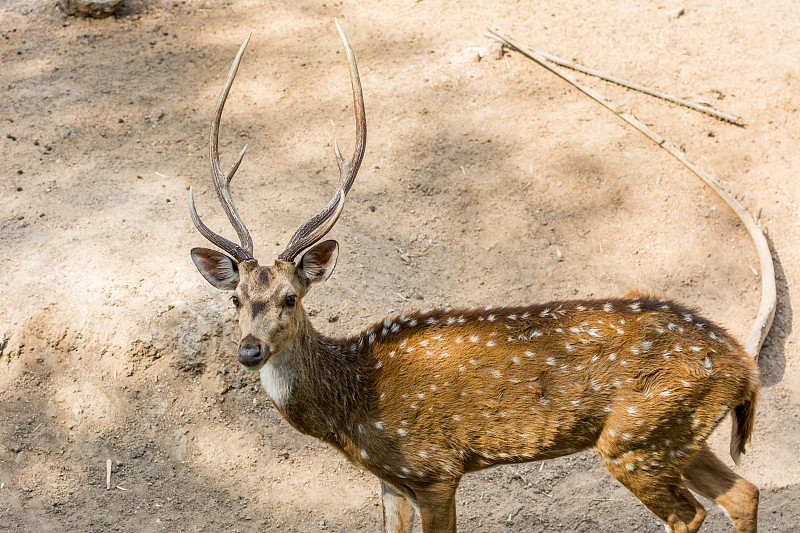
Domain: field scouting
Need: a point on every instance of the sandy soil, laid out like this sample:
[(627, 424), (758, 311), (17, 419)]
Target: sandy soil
[(486, 181)]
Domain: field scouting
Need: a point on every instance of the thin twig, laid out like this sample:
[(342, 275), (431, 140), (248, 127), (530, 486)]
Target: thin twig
[(766, 310), (697, 106)]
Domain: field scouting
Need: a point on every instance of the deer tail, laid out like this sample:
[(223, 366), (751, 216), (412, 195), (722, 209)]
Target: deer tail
[(742, 422)]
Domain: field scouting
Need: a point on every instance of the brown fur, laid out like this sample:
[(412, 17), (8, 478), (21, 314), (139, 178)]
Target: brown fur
[(421, 399)]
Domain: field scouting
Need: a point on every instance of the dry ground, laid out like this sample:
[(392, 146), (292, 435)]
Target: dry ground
[(478, 175)]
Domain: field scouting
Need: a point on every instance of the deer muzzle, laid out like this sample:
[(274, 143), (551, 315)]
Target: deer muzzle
[(250, 353)]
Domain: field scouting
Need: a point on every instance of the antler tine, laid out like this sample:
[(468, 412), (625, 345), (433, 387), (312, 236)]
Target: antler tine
[(222, 180), (321, 223), (221, 242)]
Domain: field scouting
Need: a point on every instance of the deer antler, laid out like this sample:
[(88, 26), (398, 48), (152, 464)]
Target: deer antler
[(321, 223), (222, 180)]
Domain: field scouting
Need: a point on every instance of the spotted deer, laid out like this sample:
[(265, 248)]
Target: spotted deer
[(423, 398)]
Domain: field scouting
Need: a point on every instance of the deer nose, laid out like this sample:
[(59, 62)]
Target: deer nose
[(250, 353)]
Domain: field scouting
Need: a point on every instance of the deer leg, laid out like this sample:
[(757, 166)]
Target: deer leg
[(398, 512), (707, 475), (437, 507), (662, 491)]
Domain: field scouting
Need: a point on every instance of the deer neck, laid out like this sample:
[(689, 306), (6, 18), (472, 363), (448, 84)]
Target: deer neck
[(315, 382)]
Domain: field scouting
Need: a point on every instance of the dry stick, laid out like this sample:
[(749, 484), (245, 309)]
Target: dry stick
[(766, 310), (108, 474), (703, 108)]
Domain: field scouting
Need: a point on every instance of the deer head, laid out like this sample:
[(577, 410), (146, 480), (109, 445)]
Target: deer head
[(268, 299)]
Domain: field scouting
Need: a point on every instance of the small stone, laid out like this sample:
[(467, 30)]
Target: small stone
[(322, 525), (65, 132), (90, 8)]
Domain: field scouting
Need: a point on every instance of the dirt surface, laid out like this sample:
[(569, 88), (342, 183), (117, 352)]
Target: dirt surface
[(486, 181)]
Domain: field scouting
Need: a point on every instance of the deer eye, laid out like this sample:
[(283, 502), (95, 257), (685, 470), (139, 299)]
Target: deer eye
[(235, 301), (291, 300)]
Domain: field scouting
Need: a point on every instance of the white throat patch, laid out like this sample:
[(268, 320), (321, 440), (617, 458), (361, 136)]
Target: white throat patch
[(277, 377)]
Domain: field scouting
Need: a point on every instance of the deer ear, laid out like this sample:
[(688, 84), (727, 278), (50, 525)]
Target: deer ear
[(219, 270), (318, 263)]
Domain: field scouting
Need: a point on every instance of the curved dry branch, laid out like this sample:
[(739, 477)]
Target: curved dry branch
[(766, 310)]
